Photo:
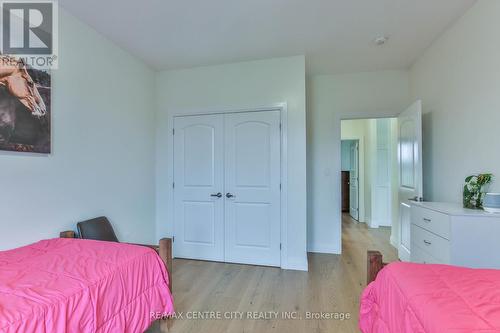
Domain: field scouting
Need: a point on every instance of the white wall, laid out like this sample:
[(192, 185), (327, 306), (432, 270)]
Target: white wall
[(102, 160), (458, 79), (236, 86), (330, 99)]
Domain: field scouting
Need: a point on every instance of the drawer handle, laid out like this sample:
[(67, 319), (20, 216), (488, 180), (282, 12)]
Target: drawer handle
[(427, 220), (427, 242)]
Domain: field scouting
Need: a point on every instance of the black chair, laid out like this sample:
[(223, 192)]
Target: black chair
[(98, 229), (101, 229)]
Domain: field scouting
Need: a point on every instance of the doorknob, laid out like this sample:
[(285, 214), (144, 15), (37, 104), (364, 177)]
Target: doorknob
[(229, 195), (218, 195)]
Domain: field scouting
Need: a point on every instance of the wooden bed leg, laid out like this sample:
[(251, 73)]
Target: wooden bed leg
[(67, 234), (374, 265), (165, 253)]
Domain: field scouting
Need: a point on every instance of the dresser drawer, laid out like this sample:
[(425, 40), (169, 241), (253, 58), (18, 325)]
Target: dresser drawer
[(433, 221), (430, 243), (419, 256)]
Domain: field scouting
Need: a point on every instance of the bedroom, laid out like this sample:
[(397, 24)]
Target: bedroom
[(126, 79)]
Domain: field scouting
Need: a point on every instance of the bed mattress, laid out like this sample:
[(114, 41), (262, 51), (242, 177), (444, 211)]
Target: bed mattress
[(408, 297), (74, 285)]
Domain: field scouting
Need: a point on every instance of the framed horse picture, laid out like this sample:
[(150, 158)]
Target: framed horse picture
[(25, 107)]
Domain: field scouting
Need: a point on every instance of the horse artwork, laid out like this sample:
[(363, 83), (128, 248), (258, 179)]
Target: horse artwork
[(24, 107)]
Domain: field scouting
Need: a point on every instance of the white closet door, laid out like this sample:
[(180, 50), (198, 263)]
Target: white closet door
[(198, 179), (252, 186)]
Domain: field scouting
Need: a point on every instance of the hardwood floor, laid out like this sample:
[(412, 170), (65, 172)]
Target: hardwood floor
[(333, 285)]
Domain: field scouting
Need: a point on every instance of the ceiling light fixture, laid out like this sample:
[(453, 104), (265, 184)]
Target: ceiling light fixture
[(381, 40)]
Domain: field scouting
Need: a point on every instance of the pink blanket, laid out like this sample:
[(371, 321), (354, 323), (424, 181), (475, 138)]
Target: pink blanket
[(72, 285), (433, 299)]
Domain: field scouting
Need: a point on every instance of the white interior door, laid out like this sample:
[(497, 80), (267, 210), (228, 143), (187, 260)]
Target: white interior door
[(354, 181), (252, 186), (410, 171), (198, 187)]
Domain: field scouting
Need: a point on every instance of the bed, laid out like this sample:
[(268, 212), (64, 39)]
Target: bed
[(407, 297), (76, 285)]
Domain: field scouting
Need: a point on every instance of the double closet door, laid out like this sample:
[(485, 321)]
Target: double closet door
[(227, 175)]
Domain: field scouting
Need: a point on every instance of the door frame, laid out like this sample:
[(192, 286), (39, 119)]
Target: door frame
[(361, 175), (283, 108), (337, 124)]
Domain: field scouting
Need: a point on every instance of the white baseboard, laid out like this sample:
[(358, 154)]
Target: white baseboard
[(296, 265), (323, 248), (385, 223), (373, 224)]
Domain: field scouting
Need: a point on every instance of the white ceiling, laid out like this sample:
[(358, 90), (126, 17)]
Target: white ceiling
[(335, 35)]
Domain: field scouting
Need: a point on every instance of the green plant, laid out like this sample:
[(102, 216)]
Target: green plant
[(474, 190)]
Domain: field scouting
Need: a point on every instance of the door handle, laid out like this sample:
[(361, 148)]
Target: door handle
[(217, 195), (427, 242), (230, 195)]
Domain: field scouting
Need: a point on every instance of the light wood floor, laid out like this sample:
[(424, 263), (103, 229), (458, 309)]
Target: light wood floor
[(333, 284)]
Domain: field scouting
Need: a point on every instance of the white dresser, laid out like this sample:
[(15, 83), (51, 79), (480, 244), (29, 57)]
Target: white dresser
[(445, 233)]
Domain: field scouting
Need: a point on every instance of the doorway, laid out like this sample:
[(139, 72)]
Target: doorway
[(390, 173), (369, 155)]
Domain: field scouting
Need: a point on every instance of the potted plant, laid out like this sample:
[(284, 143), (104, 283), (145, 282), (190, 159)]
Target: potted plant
[(475, 189)]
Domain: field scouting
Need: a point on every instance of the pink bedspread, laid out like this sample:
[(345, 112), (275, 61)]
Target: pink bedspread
[(72, 285), (433, 299)]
